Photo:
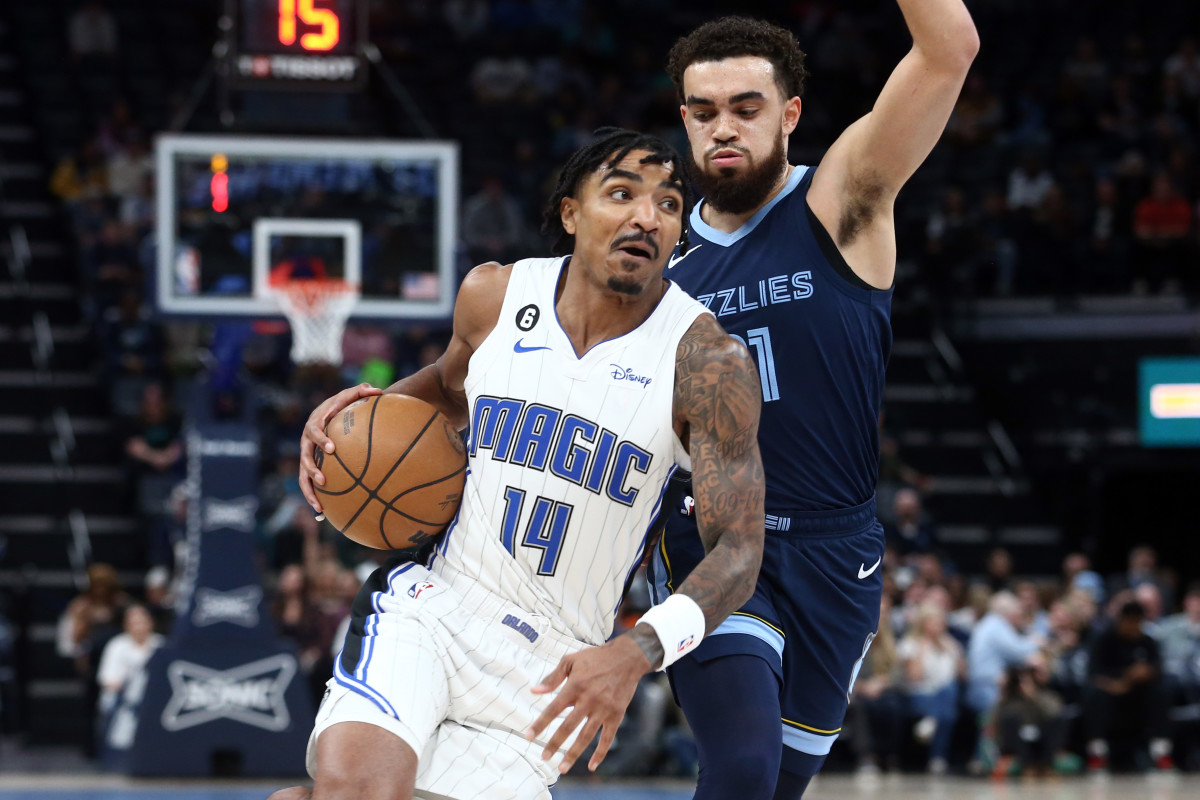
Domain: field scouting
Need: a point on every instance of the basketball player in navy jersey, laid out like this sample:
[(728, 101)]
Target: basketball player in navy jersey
[(585, 381), (798, 262)]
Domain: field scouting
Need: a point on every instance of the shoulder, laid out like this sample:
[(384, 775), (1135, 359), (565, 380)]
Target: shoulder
[(705, 341), (480, 298)]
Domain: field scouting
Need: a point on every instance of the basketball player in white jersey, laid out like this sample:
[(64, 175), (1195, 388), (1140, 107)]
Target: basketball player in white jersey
[(585, 381)]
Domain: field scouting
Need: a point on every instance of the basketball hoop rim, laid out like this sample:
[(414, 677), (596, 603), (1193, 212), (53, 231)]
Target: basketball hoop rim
[(308, 296)]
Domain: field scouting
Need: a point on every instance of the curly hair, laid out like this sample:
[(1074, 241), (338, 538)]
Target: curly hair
[(730, 37), (609, 147)]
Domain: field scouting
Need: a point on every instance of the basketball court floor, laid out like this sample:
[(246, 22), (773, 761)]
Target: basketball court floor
[(834, 787)]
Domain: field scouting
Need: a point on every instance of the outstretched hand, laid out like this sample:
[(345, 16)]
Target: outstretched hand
[(314, 436), (599, 684)]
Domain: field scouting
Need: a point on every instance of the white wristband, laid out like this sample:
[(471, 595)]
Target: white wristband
[(679, 624)]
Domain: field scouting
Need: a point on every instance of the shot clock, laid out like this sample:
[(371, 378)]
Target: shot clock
[(302, 44)]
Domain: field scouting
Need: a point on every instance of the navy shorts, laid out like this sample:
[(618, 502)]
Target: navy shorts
[(814, 613)]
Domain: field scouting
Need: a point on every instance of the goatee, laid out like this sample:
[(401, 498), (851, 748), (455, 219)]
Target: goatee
[(731, 193), (625, 287)]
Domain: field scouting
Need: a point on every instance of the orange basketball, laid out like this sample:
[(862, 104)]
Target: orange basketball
[(396, 475)]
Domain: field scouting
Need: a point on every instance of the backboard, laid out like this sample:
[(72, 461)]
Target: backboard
[(235, 211)]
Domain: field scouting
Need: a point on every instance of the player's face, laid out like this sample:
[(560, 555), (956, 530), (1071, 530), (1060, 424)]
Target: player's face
[(626, 221), (737, 122)]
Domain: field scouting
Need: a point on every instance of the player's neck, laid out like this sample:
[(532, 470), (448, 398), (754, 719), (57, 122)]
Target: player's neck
[(728, 222), (591, 314)]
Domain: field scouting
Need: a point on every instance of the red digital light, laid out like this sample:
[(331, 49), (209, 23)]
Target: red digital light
[(219, 186), (325, 19), (287, 21)]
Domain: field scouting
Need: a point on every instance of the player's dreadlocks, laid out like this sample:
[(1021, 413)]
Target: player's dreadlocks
[(610, 146), (730, 37)]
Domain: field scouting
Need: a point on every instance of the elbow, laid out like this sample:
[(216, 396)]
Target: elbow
[(955, 50)]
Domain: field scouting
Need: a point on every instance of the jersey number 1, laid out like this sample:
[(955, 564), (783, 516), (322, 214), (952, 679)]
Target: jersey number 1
[(760, 340), (545, 530)]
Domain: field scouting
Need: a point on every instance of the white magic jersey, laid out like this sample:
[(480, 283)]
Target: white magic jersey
[(569, 456)]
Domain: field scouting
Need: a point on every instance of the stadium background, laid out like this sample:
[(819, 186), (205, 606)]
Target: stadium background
[(1047, 247)]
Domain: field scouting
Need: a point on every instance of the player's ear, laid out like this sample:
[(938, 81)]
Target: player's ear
[(570, 211), (683, 111), (791, 115)]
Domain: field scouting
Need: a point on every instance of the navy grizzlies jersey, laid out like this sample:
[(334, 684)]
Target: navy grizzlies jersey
[(821, 338)]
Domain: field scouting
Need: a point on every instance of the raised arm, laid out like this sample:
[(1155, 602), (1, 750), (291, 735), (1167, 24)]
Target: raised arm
[(440, 384), (859, 177)]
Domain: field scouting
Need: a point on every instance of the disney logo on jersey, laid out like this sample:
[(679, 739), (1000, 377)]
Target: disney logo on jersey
[(573, 448), (767, 292), (620, 373)]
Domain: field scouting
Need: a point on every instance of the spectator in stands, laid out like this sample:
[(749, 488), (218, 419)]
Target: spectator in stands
[(131, 340), (999, 569), (997, 644), (877, 707), (1036, 619), (117, 129), (998, 252), (977, 115), (911, 533), (296, 614), (110, 267), (1087, 70), (1178, 638), (1073, 564), (1161, 227), (1127, 697), (1142, 568), (503, 77), (1184, 65), (79, 175), (1108, 229), (126, 654), (90, 620), (932, 662), (159, 600), (153, 441), (129, 166), (951, 242), (1030, 723), (92, 32), (1029, 183), (492, 225)]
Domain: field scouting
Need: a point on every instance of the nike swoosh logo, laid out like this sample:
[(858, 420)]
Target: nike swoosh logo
[(676, 259), (520, 348), (863, 572)]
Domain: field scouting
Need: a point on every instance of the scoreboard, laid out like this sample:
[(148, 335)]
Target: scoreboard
[(303, 44)]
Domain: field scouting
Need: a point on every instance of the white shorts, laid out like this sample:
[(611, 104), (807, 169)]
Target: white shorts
[(450, 673)]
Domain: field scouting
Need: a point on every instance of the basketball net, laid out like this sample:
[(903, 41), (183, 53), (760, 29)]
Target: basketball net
[(318, 311)]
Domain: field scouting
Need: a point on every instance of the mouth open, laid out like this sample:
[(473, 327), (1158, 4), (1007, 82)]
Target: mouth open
[(636, 251)]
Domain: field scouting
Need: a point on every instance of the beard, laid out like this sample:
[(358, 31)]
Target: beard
[(728, 192), (622, 286)]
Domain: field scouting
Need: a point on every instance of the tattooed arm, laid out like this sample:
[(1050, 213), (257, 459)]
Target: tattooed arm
[(717, 403)]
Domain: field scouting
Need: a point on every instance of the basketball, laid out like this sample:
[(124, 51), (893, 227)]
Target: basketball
[(396, 475)]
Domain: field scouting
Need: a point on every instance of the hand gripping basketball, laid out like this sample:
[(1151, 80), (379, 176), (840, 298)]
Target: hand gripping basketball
[(314, 436)]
